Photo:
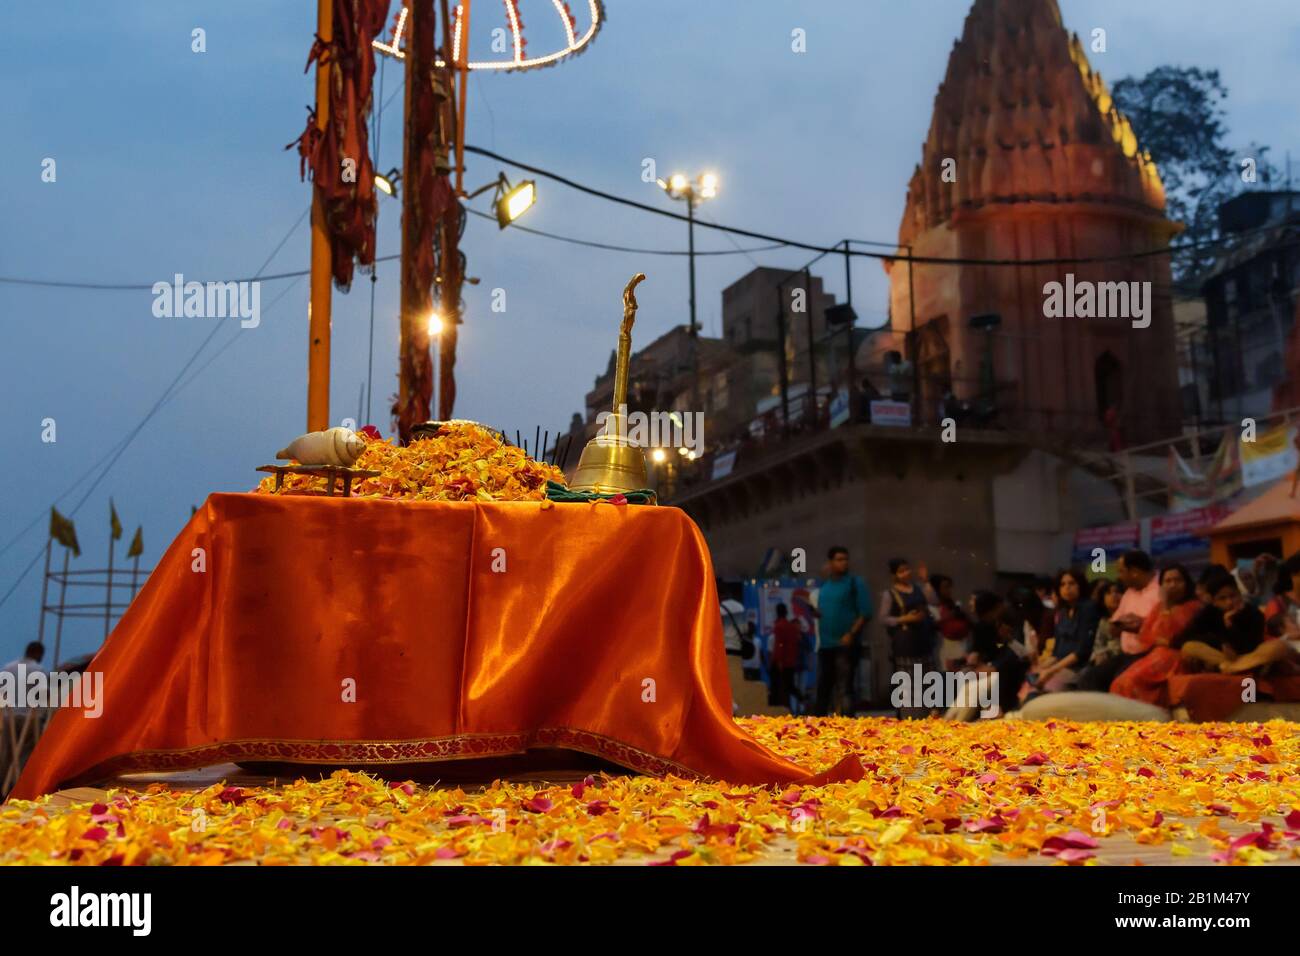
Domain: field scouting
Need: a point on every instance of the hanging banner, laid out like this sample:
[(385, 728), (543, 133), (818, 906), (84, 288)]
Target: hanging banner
[(839, 410), (1112, 539), (895, 414), (723, 464), (1186, 534), (1269, 457), (1216, 481)]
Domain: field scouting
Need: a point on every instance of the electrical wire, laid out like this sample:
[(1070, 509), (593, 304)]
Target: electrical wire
[(615, 248), (775, 242), (116, 452), (231, 341), (142, 286), (891, 257)]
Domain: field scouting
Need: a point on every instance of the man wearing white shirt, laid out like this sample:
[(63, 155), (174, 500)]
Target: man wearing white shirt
[(23, 667), (1141, 596)]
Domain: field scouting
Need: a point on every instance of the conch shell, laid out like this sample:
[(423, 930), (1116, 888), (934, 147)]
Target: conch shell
[(334, 446)]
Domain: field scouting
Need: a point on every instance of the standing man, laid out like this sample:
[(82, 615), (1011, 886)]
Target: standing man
[(844, 607), (23, 668), (18, 724)]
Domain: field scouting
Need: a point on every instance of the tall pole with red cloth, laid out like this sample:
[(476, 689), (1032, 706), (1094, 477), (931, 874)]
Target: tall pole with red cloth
[(450, 269), (322, 252), (335, 146), (419, 163)]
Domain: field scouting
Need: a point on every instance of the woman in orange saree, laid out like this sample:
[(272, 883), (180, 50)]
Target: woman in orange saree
[(1147, 679)]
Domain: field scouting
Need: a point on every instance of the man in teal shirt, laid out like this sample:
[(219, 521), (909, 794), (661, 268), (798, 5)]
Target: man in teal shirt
[(843, 609)]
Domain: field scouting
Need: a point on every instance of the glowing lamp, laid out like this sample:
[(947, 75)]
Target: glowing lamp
[(514, 202), (386, 183)]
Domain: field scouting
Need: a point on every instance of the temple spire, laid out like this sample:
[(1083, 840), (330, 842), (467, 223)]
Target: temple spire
[(1027, 119)]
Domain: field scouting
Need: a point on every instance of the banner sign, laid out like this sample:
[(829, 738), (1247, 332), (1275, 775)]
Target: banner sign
[(1214, 481), (1186, 532), (1269, 457), (1114, 539), (894, 414), (839, 408), (723, 463)]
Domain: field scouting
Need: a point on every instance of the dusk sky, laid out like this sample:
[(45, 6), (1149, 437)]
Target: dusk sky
[(170, 161)]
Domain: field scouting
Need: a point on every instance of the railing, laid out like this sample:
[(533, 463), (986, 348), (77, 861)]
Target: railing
[(20, 728), (1196, 442), (1079, 437), (998, 411)]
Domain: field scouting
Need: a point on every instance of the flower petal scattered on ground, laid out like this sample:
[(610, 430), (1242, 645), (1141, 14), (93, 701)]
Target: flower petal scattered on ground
[(935, 793)]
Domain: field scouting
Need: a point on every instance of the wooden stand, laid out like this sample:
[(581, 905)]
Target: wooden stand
[(331, 474)]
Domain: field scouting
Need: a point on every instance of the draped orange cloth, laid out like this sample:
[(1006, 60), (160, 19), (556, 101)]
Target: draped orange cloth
[(369, 632)]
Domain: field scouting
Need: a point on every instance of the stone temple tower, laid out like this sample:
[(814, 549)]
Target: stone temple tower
[(1028, 158)]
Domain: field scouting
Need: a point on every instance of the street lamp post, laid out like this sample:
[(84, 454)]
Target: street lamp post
[(690, 256), (704, 187)]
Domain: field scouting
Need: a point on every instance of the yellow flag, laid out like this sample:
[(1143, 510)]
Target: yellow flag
[(64, 531), (116, 524), (137, 544)]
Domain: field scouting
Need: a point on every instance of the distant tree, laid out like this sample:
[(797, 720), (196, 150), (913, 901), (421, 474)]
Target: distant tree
[(1177, 113)]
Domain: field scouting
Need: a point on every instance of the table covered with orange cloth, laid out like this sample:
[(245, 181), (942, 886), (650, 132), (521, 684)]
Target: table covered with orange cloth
[(372, 632)]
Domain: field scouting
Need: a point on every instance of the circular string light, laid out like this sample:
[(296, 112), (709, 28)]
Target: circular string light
[(576, 43)]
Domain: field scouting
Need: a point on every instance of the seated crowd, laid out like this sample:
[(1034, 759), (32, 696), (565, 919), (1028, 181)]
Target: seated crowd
[(1150, 634), (1135, 635)]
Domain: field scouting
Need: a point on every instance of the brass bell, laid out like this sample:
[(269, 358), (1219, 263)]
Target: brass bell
[(609, 463)]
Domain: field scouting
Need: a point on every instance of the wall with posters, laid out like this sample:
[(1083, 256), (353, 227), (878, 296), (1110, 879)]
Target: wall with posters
[(800, 598)]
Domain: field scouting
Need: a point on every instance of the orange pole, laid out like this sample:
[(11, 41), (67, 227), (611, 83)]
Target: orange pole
[(318, 312)]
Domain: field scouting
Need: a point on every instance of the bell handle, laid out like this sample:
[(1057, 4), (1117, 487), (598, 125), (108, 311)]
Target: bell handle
[(625, 342)]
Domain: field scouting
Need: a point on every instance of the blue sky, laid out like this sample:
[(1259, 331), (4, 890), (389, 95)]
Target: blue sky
[(171, 161)]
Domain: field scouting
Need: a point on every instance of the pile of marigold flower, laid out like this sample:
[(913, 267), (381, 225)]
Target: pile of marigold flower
[(934, 793), (463, 462)]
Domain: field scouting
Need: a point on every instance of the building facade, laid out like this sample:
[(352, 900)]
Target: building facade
[(1027, 158), (1045, 168), (1251, 295)]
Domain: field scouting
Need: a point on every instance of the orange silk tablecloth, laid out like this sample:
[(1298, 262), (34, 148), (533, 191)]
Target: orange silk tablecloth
[(250, 658)]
